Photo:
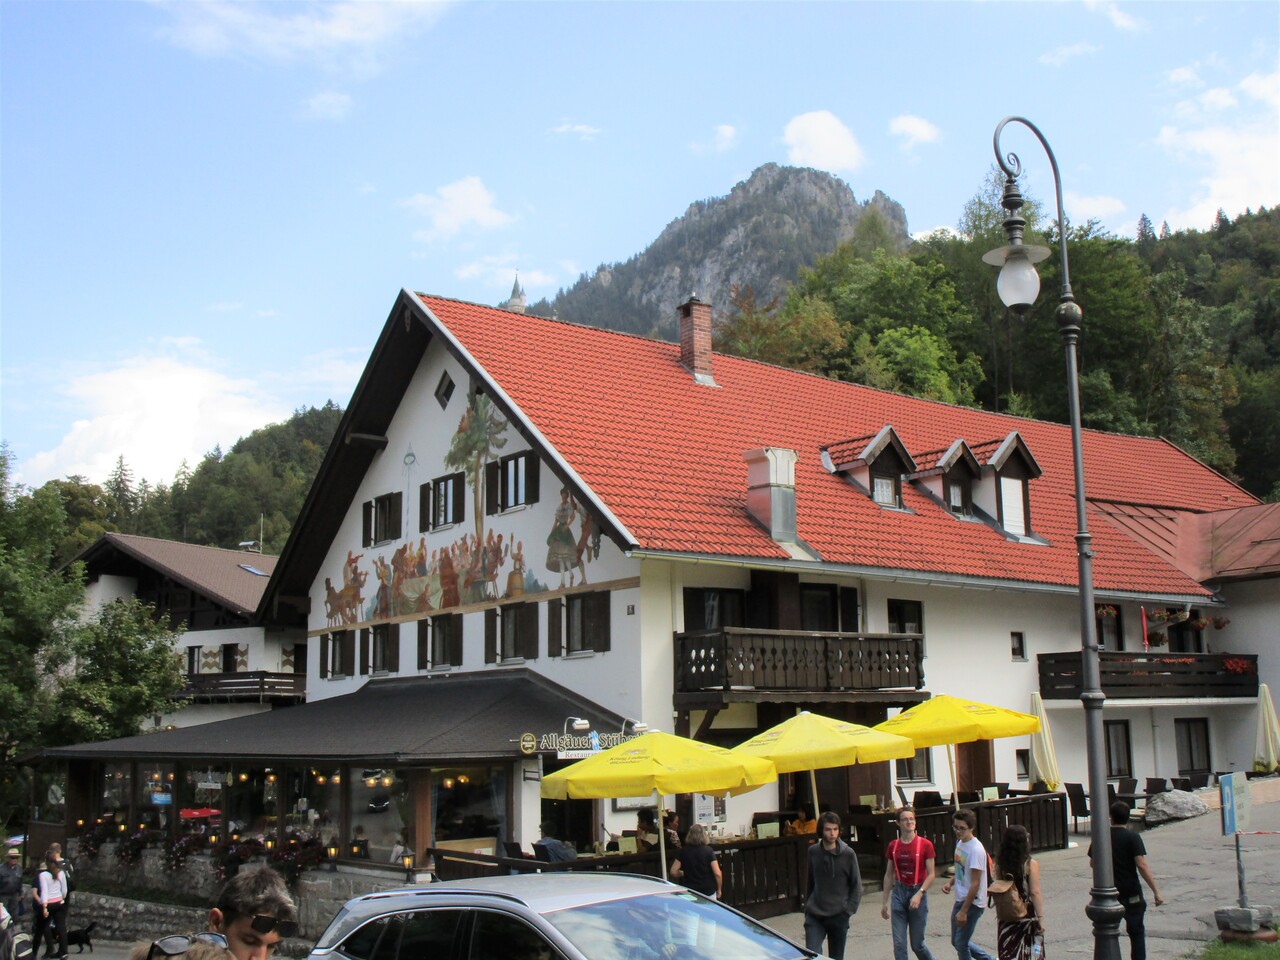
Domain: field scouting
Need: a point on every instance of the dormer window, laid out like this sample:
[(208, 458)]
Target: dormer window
[(875, 465), (947, 476), (959, 493), (1014, 506), (1004, 492), (886, 490)]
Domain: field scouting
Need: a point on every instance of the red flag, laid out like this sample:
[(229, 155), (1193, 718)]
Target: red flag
[(1145, 646)]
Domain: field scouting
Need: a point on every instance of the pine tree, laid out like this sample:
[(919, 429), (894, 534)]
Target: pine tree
[(1221, 222), (1146, 233), (123, 499), (1164, 230)]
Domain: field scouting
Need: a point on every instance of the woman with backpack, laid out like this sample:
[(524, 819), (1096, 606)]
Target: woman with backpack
[(1015, 891), (50, 896)]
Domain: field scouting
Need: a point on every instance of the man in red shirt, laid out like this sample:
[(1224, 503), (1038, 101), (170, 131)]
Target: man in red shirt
[(908, 874)]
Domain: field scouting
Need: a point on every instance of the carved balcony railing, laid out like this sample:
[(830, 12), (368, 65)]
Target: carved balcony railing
[(737, 658), (258, 686), (1145, 676)]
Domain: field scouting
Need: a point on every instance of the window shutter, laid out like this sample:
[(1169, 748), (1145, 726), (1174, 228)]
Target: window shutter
[(598, 612), (555, 630), (324, 655), (491, 499), (848, 610), (455, 640), (491, 635), (424, 644), (527, 630), (393, 648), (531, 470), (424, 507), (348, 653), (396, 508), (366, 536), (459, 482), (364, 653)]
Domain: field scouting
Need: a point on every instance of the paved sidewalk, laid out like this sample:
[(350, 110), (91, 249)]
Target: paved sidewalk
[(1194, 865)]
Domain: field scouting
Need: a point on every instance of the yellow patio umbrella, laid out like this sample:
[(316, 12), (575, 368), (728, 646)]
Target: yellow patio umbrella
[(810, 741), (658, 763), (1266, 749), (1044, 759), (951, 720)]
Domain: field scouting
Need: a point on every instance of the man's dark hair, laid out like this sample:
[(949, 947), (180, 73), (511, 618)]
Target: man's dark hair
[(1119, 813), (548, 828), (646, 815), (905, 809), (253, 893), (966, 815), (829, 817)]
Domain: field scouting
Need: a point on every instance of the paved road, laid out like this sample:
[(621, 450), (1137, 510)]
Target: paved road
[(1193, 862)]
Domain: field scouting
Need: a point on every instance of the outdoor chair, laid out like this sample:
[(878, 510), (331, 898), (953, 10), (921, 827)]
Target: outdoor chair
[(1156, 785), (513, 850), (1199, 781), (1182, 783), (540, 852), (1079, 805), (1128, 785), (1039, 787), (927, 798), (969, 796), (902, 795)]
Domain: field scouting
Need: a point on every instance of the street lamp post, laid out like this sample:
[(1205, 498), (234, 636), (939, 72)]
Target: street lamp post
[(1018, 287)]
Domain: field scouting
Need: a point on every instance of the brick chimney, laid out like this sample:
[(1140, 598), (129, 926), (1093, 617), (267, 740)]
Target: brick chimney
[(695, 339)]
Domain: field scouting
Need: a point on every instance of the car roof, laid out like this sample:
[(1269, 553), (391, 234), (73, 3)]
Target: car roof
[(540, 892)]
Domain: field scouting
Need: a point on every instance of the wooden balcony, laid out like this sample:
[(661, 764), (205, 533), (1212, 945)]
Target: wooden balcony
[(744, 659), (1146, 676), (257, 686)]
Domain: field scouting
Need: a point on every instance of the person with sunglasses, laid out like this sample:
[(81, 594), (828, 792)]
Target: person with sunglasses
[(254, 913), (196, 946)]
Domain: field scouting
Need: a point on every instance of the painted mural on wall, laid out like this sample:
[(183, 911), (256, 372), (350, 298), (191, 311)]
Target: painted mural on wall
[(481, 564)]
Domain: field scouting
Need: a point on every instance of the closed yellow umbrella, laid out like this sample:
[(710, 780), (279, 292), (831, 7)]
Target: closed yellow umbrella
[(1044, 759), (950, 720), (810, 741), (659, 763), (1266, 749)]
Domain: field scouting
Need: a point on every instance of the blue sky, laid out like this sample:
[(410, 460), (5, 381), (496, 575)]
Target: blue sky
[(207, 209)]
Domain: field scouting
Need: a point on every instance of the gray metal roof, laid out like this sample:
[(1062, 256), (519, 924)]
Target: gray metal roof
[(459, 716)]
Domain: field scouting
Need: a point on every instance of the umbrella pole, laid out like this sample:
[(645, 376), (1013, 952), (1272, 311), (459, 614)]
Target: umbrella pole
[(813, 788), (955, 786), (662, 838)]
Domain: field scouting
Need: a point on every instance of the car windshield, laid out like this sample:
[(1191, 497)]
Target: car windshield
[(668, 926)]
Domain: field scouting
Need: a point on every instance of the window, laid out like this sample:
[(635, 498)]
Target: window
[(511, 482), (338, 654), (1183, 637), (1014, 510), (442, 502), (384, 653), (511, 632), (500, 937), (886, 490), (906, 616), (708, 608), (586, 623), (1022, 764), (959, 493), (1119, 748), (917, 769), (382, 519), (444, 390), (193, 661), (1110, 629), (1192, 736), (440, 642), (230, 656), (1017, 645), (818, 610)]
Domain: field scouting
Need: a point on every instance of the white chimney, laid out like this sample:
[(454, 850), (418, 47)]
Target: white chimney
[(771, 490)]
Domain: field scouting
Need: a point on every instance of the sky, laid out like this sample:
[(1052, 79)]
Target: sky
[(207, 209)]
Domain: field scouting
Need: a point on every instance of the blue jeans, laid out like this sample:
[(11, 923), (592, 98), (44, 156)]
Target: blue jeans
[(904, 919), (834, 929), (961, 935)]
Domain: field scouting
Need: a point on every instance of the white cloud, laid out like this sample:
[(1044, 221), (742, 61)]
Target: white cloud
[(724, 137), (1185, 77), (1238, 166), (1264, 87), (465, 202), (154, 411), (580, 130), (1062, 55), (1219, 98), (913, 130), (499, 270), (819, 139), (293, 31), (1081, 208), (1119, 19), (327, 105)]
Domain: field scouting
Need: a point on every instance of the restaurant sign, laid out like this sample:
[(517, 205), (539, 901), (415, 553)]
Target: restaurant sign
[(571, 746)]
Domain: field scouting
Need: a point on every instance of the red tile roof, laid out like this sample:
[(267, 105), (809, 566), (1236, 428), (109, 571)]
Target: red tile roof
[(665, 456)]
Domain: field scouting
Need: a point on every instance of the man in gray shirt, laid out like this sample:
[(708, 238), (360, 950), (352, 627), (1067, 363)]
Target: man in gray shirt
[(835, 889)]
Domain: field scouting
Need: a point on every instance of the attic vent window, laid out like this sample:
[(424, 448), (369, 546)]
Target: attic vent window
[(444, 390), (254, 570), (885, 490)]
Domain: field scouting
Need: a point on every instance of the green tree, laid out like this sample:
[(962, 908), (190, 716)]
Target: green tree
[(1146, 233), (805, 336), (109, 673), (925, 365), (123, 497), (87, 511)]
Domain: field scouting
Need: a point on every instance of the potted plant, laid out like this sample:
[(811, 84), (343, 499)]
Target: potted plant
[(1220, 622), (1201, 623), (1157, 638), (1107, 610)]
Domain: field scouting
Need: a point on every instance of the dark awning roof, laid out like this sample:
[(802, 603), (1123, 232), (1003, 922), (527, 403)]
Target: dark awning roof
[(467, 716)]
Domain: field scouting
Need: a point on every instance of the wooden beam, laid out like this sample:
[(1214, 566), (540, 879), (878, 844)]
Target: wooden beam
[(374, 440)]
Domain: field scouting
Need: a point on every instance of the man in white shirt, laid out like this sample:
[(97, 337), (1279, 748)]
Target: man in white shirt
[(970, 884)]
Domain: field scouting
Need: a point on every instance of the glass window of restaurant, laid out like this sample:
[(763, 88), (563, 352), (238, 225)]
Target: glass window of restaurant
[(380, 813), (117, 784), (201, 798), (468, 803), (320, 793), (153, 802)]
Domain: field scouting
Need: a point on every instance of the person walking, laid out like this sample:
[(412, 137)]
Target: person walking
[(908, 874), (970, 885), (50, 895), (835, 889), (696, 865), (1129, 862), (11, 883), (1015, 938)]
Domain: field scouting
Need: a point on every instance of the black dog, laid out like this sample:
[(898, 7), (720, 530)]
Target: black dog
[(81, 938)]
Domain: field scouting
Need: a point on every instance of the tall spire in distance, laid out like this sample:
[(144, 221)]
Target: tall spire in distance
[(517, 303)]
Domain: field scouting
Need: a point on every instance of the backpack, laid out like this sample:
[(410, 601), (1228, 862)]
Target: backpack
[(1005, 896), (16, 944)]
